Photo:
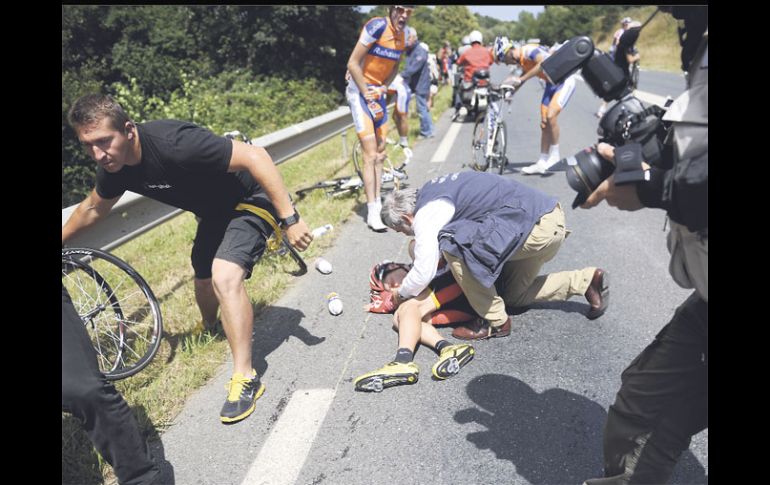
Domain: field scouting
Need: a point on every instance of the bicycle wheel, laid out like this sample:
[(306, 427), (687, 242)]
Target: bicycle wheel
[(479, 146), (358, 158), (501, 143), (118, 308)]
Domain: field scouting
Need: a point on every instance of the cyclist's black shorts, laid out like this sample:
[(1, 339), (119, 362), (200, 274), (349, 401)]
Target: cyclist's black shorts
[(239, 237)]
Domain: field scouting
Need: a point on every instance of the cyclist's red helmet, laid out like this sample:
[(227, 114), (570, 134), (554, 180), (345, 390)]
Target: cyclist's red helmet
[(387, 272)]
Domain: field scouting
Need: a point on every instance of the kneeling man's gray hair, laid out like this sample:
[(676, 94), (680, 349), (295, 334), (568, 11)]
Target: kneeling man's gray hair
[(397, 204)]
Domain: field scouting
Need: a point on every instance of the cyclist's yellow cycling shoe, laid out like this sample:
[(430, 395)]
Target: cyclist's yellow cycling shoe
[(392, 374), (452, 359), (241, 398)]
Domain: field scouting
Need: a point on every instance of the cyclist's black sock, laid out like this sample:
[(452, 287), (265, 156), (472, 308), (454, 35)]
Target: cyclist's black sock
[(404, 356), (440, 345)]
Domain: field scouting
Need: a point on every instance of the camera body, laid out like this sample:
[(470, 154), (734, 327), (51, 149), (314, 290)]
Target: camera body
[(626, 122)]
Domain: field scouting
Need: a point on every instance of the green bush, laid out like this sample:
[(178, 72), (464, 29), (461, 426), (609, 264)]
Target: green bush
[(230, 101), (233, 100)]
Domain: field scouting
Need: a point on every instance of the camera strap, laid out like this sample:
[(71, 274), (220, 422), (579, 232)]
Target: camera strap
[(628, 159), (648, 20)]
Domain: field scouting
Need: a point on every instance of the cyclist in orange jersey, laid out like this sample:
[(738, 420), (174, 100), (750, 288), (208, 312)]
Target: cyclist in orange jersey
[(372, 66), (555, 97)]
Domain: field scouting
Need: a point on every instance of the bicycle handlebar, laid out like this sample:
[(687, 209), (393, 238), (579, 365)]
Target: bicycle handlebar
[(502, 87)]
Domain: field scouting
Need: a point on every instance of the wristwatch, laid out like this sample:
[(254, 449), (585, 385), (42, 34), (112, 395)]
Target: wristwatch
[(289, 221)]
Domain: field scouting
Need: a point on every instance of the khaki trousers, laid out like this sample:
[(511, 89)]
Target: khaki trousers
[(520, 273)]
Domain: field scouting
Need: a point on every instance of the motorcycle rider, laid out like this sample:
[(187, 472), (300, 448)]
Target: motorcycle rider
[(477, 57)]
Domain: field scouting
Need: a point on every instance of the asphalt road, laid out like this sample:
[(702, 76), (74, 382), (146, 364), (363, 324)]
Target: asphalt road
[(529, 409)]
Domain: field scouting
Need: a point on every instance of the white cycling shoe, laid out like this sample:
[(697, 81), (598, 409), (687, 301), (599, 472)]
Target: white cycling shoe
[(537, 167)]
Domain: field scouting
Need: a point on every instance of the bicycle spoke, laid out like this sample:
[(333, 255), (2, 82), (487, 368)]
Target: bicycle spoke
[(118, 310)]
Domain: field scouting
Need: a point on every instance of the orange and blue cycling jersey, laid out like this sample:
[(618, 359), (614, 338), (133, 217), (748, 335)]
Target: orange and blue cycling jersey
[(528, 58), (385, 49)]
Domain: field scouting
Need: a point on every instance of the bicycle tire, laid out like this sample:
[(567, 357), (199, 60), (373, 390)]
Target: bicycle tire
[(501, 144), (118, 308), (479, 145)]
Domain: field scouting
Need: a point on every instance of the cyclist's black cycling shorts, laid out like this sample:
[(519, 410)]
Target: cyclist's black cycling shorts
[(239, 237)]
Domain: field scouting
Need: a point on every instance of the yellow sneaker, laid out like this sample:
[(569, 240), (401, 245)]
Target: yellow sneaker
[(392, 374), (241, 398), (452, 359)]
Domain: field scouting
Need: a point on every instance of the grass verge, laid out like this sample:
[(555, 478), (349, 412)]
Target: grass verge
[(658, 41)]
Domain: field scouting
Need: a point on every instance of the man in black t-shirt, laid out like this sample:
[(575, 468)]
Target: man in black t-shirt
[(235, 190)]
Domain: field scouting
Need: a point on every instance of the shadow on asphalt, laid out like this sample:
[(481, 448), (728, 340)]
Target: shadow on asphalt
[(273, 327), (564, 306), (551, 437)]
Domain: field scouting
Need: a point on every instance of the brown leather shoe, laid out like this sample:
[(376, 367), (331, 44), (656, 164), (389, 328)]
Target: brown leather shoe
[(598, 294), (479, 329)]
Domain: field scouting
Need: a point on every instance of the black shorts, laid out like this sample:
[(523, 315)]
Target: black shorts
[(239, 237)]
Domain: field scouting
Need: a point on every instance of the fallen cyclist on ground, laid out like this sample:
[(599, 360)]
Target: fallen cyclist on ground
[(442, 303), (493, 232)]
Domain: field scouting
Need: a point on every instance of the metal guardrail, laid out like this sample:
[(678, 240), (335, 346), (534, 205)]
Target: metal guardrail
[(135, 214)]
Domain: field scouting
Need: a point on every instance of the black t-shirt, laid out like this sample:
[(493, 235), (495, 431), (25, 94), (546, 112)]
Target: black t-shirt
[(182, 165)]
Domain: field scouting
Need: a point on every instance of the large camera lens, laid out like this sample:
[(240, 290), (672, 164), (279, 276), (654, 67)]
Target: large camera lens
[(585, 171)]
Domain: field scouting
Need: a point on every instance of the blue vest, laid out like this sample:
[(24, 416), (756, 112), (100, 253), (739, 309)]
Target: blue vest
[(493, 217)]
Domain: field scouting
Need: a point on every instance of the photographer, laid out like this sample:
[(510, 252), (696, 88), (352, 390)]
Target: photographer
[(624, 53), (663, 399), (98, 406)]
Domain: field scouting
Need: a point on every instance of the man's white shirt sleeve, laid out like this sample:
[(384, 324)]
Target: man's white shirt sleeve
[(428, 221)]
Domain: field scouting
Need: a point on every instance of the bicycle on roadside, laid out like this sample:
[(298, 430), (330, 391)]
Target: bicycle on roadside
[(284, 246), (333, 187), (489, 136), (118, 308), (393, 167)]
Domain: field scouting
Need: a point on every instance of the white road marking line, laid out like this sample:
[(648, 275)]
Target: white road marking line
[(285, 450), (446, 143)]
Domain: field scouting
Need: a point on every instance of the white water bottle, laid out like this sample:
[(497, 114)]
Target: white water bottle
[(318, 231), (323, 266), (334, 303)]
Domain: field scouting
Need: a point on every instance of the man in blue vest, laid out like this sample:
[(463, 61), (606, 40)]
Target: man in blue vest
[(417, 76), (495, 235)]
